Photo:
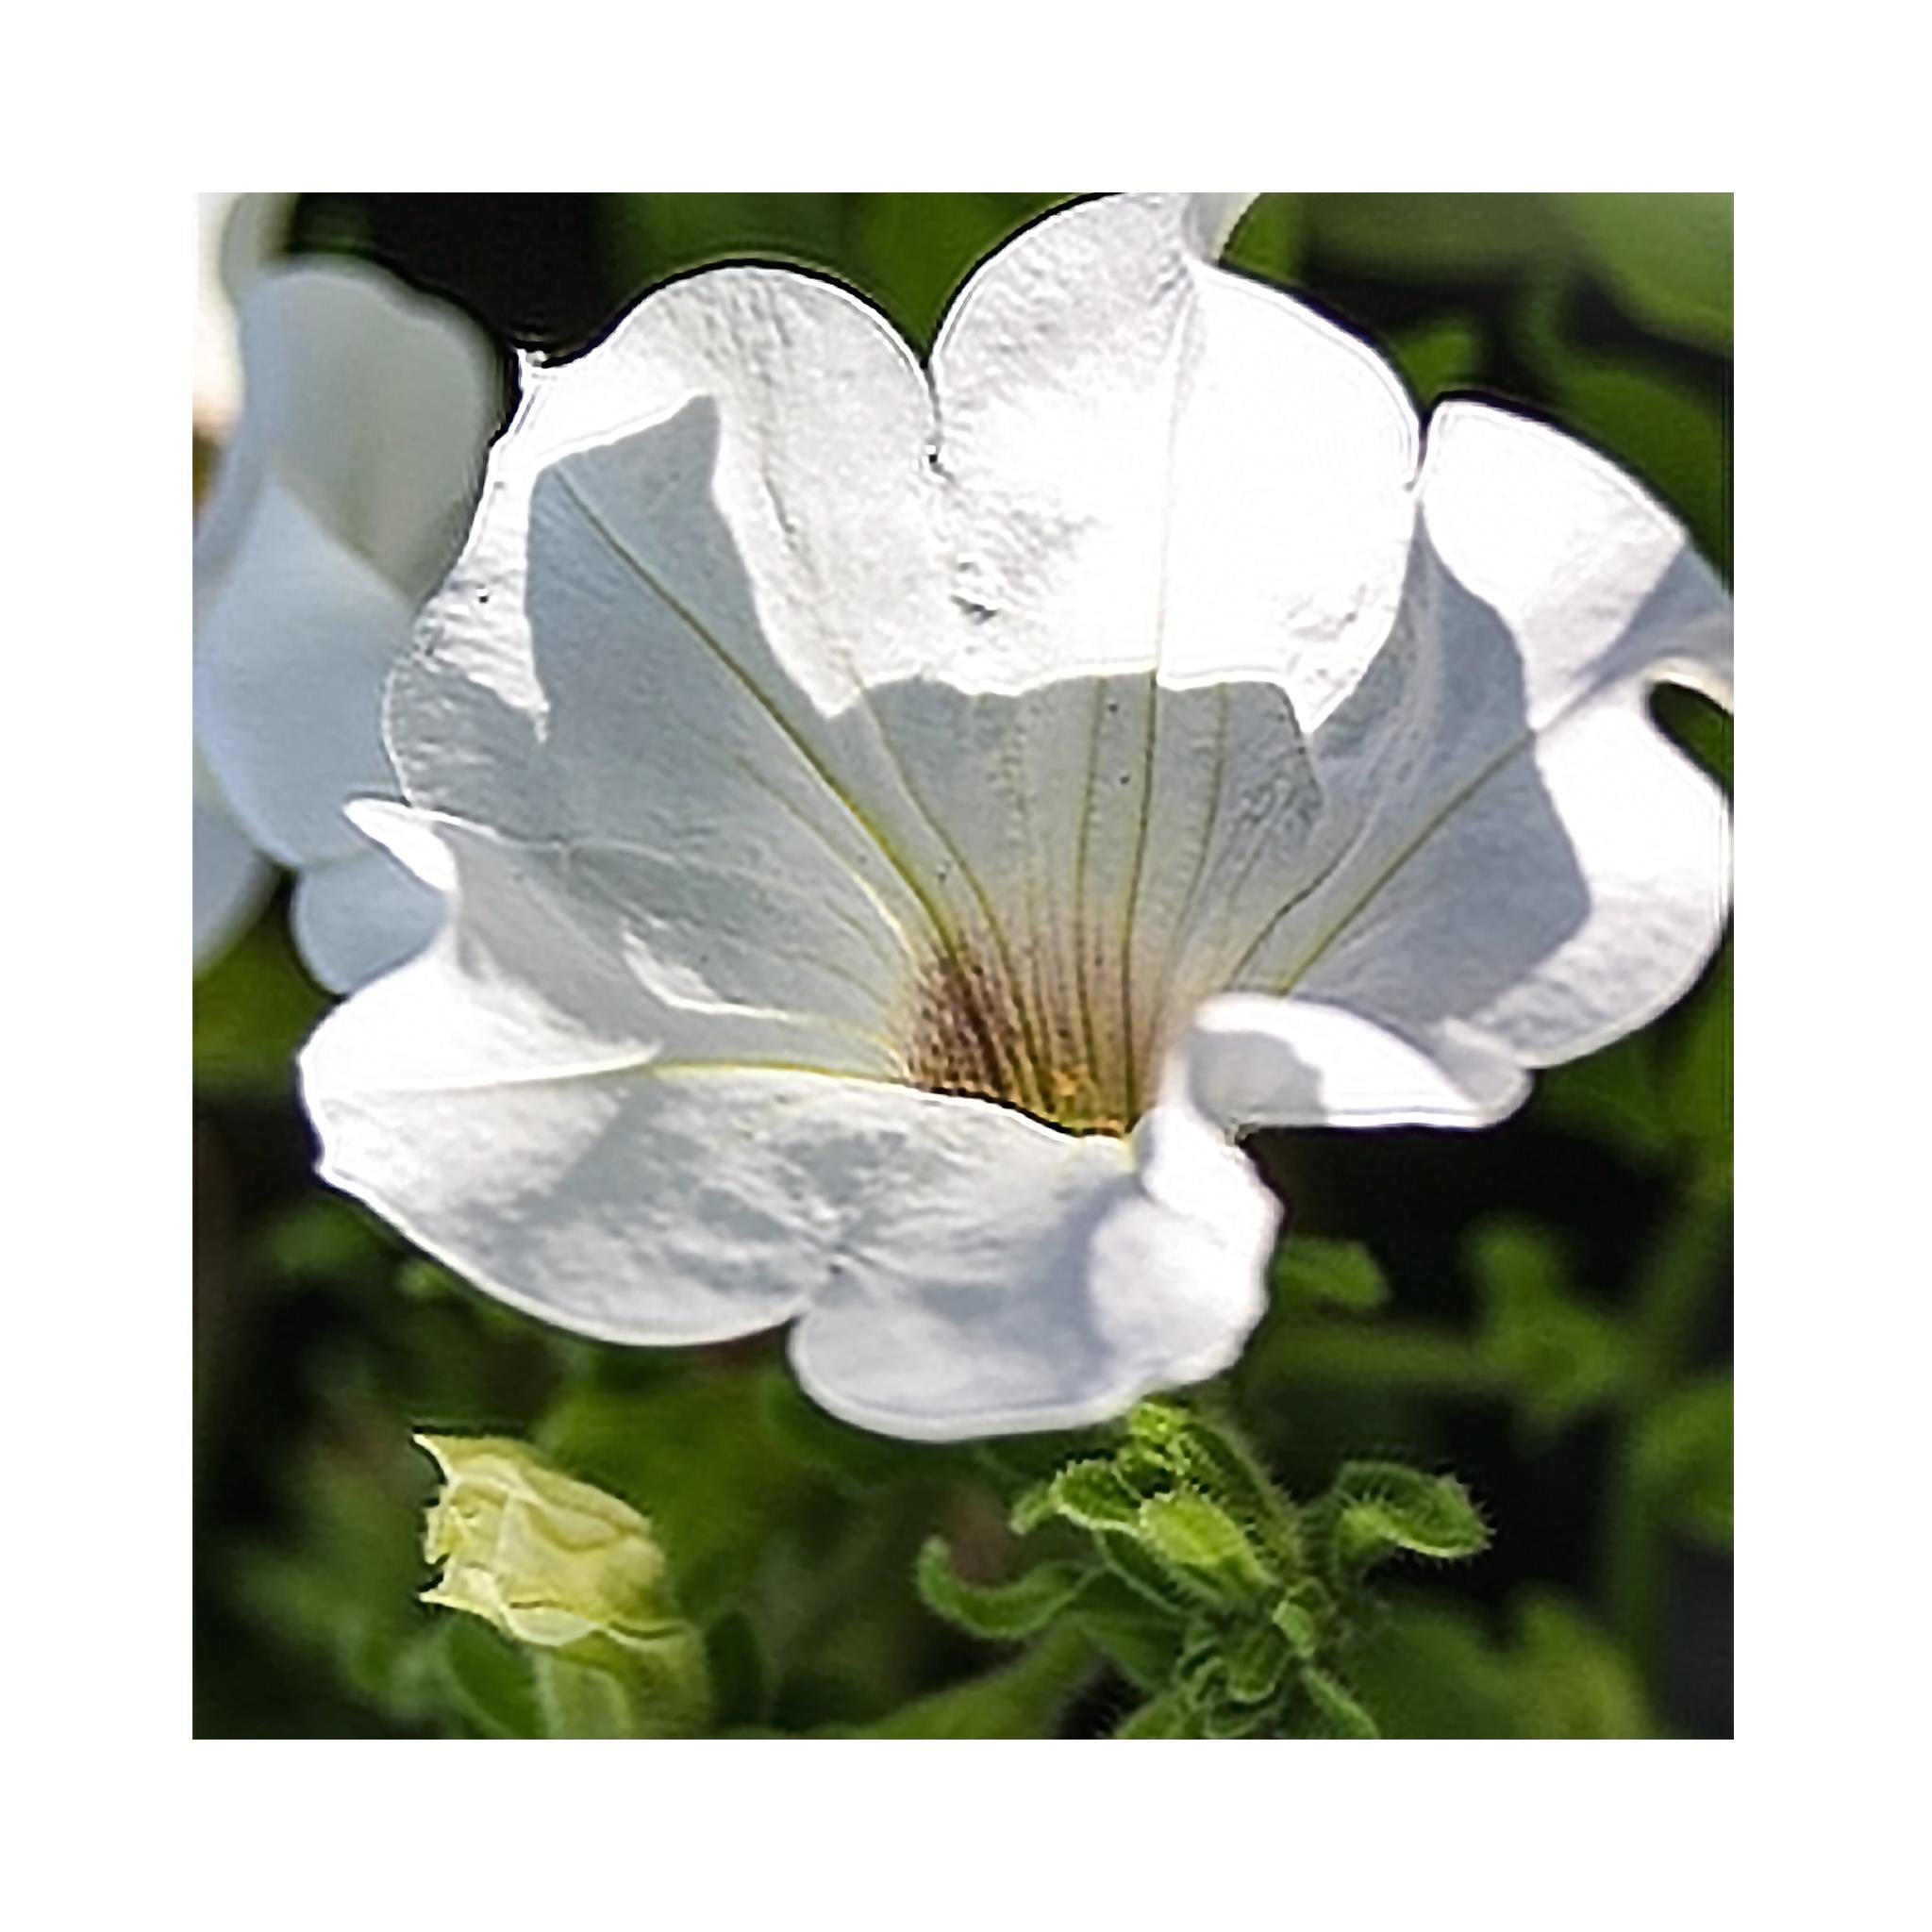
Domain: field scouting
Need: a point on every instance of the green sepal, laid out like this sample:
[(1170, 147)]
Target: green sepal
[(608, 1687), (1378, 1510), (1310, 1273), (1003, 1613), (482, 1681), (1330, 1711)]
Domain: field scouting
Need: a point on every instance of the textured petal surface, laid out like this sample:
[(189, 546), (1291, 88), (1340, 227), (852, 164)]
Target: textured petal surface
[(1507, 841), (967, 1270), (1007, 1279), (1150, 462), (714, 572), (795, 733)]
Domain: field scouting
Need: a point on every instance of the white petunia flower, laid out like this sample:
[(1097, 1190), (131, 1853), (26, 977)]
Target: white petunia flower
[(900, 824), (344, 483)]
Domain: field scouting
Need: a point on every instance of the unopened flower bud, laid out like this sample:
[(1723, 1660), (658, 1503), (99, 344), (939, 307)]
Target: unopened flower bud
[(560, 1565)]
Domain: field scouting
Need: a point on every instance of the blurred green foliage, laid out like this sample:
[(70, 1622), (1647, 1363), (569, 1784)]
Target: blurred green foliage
[(1543, 1308)]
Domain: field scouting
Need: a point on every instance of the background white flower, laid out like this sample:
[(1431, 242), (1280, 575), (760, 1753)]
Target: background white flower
[(342, 488), (1121, 724)]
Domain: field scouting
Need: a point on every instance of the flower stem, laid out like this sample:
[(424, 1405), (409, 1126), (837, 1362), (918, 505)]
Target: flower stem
[(1408, 1357)]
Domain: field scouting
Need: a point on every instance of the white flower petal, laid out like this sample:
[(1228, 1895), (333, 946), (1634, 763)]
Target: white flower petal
[(355, 918), (1007, 1279), (1524, 853), (291, 649), (1153, 463), (1595, 580), (597, 675), (231, 879), (1248, 1061), (376, 404), (794, 736), (539, 975), (969, 1272)]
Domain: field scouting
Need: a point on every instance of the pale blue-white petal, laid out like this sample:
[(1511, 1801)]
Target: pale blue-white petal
[(291, 648), (374, 405), (355, 918), (231, 878)]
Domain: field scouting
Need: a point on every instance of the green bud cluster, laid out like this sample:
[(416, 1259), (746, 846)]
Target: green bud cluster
[(1230, 1608)]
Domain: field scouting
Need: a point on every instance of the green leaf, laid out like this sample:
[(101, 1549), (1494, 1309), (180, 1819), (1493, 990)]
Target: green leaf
[(999, 1612), (1311, 1271), (1434, 236), (1668, 256), (1443, 353), (484, 1680), (653, 237), (1166, 1716), (325, 1237), (1684, 1460), (1563, 1358), (740, 1673), (1191, 1451), (1571, 1679), (1090, 1494), (1700, 1075), (1144, 1573), (1267, 243), (1197, 1538), (1333, 1711), (1298, 1623), (1024, 1699), (253, 1009), (1257, 1658), (1431, 1670), (1615, 1098), (856, 1458), (1381, 1508), (1138, 1637), (683, 1443)]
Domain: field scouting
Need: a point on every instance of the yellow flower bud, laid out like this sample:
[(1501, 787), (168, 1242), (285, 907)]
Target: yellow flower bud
[(551, 1561), (574, 1575)]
